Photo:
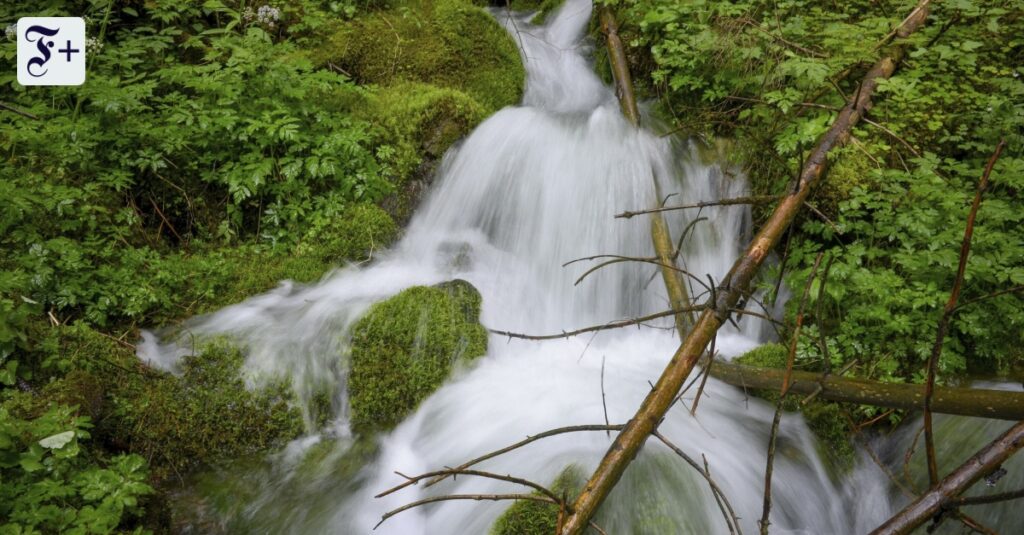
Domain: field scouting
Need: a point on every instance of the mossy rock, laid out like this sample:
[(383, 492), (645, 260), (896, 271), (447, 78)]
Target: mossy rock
[(420, 121), (447, 43), (354, 234), (404, 348), (538, 518), (824, 418)]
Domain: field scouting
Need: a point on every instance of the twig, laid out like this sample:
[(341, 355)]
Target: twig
[(704, 376), (23, 113), (786, 383), (947, 313), (1015, 289), (617, 324), (477, 497), (731, 521), (982, 500), (604, 403), (529, 440), (615, 259), (752, 199), (455, 471)]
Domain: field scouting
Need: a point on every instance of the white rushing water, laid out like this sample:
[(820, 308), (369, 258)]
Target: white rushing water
[(532, 188)]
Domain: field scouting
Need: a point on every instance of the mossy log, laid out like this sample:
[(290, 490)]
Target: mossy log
[(997, 404)]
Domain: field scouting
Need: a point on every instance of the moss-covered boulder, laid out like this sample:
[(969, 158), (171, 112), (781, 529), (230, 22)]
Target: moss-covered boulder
[(405, 347), (447, 43), (539, 518)]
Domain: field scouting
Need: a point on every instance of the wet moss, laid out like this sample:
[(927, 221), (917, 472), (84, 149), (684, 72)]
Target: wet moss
[(355, 234), (204, 417), (764, 356), (405, 347), (420, 121), (538, 518), (447, 43)]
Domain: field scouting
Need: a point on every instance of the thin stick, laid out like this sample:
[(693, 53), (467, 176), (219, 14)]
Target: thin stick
[(1015, 289), (786, 383), (604, 403), (456, 471), (731, 521), (23, 113), (752, 199), (704, 378), (528, 440), (982, 500), (947, 313), (477, 497), (617, 324)]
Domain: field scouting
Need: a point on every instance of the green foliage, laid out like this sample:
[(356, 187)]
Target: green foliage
[(447, 43), (537, 518), (898, 195), (51, 484), (406, 346)]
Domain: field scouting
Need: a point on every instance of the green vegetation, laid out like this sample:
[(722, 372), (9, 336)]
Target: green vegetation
[(897, 196), (405, 347), (213, 152), (537, 518), (447, 43)]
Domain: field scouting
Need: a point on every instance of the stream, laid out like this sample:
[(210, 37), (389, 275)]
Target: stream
[(533, 187)]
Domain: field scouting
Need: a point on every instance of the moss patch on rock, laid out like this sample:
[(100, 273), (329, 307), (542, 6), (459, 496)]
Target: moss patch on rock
[(447, 43), (405, 347), (203, 417), (538, 518), (355, 234)]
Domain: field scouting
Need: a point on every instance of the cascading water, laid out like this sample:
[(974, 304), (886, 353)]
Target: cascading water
[(533, 187)]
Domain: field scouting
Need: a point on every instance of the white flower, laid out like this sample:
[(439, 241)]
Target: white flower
[(11, 32), (93, 46)]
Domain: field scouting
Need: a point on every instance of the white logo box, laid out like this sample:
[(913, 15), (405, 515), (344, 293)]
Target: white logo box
[(51, 51)]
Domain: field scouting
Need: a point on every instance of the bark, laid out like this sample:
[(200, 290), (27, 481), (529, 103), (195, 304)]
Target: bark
[(997, 404), (932, 502), (736, 284)]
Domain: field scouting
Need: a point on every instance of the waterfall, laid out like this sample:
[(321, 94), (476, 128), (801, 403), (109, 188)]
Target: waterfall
[(533, 187)]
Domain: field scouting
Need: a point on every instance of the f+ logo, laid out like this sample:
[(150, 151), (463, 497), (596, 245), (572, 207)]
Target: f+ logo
[(38, 37)]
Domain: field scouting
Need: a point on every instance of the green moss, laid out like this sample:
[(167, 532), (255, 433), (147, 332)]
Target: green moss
[(537, 518), (448, 43), (764, 356), (355, 234), (420, 121), (405, 347)]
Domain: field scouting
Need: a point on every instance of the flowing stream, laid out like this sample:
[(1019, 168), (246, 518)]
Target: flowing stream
[(532, 188)]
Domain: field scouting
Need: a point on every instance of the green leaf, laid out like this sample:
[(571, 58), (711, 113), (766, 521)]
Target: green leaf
[(57, 441)]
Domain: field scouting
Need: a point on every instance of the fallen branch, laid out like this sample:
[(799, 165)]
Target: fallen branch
[(617, 324), (650, 413), (996, 404), (528, 440), (931, 503), (660, 235), (947, 314), (751, 199)]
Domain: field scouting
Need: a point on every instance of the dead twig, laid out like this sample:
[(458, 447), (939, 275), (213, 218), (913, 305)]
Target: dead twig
[(783, 391), (528, 440), (477, 497), (731, 520), (947, 313), (751, 199), (617, 324)]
